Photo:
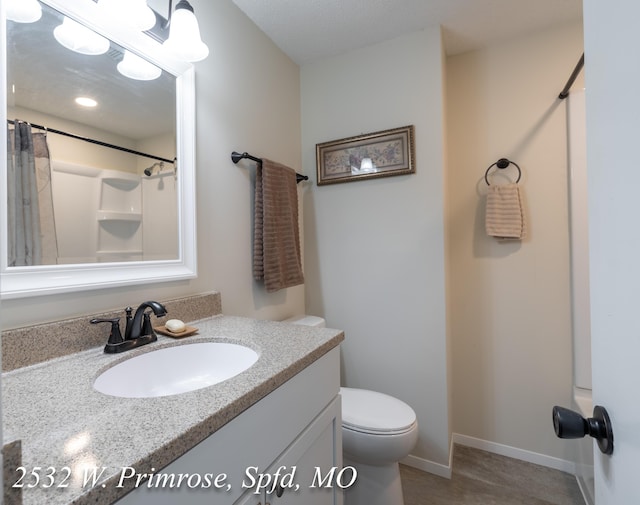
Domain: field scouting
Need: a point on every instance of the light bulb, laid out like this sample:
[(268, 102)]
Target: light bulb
[(23, 11), (80, 39), (184, 40), (134, 67)]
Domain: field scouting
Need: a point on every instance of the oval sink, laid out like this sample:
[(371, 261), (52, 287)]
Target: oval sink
[(175, 370)]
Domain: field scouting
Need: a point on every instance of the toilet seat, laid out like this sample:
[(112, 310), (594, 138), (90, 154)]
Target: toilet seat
[(375, 413)]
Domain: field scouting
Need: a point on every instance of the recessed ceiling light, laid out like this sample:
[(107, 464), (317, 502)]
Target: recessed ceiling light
[(86, 101)]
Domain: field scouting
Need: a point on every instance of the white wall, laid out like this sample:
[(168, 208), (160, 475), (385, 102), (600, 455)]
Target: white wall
[(509, 303), (247, 99), (375, 248), (159, 221)]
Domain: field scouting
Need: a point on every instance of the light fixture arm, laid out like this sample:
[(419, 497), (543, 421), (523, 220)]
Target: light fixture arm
[(165, 25)]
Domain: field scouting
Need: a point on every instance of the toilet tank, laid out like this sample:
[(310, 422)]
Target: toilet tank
[(306, 320)]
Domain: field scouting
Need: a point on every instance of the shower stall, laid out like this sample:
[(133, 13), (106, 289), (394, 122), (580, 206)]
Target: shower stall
[(104, 215)]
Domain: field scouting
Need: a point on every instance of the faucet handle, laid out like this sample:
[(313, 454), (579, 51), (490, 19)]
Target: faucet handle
[(115, 337), (127, 329), (147, 329)]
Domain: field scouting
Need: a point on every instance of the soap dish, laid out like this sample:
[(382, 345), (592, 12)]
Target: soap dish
[(190, 330)]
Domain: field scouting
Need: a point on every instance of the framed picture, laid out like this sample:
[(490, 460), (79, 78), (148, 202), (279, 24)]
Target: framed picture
[(378, 154)]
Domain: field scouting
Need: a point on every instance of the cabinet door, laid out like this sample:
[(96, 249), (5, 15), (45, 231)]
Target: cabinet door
[(313, 459)]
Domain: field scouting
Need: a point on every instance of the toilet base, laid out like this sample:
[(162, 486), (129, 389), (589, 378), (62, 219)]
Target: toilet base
[(375, 485)]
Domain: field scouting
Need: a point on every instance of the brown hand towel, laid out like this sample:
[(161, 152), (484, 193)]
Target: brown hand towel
[(504, 212), (276, 239)]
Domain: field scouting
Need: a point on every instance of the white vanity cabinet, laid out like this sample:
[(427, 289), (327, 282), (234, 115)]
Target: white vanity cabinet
[(294, 432)]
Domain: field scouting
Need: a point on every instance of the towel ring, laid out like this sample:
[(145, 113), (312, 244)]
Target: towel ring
[(502, 163)]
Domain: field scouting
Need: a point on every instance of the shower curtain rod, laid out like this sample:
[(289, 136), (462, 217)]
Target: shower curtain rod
[(94, 141), (236, 157), (565, 92)]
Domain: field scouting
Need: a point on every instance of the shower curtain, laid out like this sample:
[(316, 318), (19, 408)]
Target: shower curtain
[(31, 228)]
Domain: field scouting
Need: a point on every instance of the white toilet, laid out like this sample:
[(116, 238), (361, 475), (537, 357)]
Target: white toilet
[(378, 430)]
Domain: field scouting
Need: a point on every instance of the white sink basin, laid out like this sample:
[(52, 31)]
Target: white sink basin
[(175, 370)]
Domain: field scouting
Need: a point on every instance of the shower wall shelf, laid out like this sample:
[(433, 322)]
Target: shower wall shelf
[(119, 217), (124, 184)]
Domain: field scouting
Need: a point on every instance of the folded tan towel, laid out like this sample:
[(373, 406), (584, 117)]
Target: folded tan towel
[(504, 217), (276, 239)]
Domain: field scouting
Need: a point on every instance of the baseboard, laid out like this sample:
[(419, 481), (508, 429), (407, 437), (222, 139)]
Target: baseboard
[(503, 450), (429, 466), (513, 452)]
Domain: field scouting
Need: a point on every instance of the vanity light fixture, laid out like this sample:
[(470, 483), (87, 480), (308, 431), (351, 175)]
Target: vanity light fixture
[(134, 67), (85, 101), (134, 12), (184, 40), (79, 38), (23, 11)]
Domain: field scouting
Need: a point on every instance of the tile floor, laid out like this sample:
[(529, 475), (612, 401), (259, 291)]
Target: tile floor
[(484, 478)]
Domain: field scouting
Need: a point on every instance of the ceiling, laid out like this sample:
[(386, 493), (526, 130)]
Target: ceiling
[(308, 30)]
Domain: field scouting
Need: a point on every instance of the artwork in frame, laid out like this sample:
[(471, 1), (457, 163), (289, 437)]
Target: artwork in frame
[(378, 154)]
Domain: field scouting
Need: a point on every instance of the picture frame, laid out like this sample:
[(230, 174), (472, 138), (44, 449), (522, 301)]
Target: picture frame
[(378, 154)]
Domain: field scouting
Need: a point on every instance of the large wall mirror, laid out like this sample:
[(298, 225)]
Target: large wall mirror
[(99, 195)]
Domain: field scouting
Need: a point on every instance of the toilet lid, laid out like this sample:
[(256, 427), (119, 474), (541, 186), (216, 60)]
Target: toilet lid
[(373, 412)]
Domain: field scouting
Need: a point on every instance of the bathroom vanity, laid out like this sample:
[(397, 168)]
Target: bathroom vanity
[(266, 435), (271, 449)]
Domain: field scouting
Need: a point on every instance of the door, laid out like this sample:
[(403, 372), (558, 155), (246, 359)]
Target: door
[(612, 74)]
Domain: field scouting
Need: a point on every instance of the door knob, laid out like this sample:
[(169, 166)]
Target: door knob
[(570, 424)]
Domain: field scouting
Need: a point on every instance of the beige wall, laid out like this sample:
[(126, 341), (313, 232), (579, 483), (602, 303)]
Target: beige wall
[(247, 99), (509, 303), (375, 248)]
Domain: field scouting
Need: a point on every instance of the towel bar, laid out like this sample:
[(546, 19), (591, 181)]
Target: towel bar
[(236, 157)]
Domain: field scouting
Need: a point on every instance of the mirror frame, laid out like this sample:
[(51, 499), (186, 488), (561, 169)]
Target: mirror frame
[(28, 281)]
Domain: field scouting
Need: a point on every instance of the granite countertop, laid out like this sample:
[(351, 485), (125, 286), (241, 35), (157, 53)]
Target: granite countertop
[(63, 422)]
